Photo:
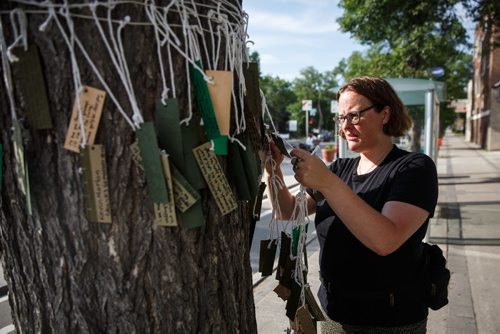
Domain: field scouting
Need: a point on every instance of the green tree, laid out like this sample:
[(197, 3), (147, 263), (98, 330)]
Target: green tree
[(319, 87), (414, 37), (279, 96)]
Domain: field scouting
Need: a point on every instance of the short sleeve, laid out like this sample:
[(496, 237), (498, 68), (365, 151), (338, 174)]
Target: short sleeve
[(416, 183)]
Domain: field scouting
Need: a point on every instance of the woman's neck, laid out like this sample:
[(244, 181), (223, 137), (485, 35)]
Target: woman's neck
[(370, 160)]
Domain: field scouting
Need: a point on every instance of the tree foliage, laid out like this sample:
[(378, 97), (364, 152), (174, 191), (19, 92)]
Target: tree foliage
[(407, 39), (279, 96), (318, 87)]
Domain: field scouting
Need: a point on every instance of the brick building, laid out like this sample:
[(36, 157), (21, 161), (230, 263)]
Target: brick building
[(483, 117)]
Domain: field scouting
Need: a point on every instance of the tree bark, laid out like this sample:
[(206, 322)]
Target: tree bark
[(68, 275)]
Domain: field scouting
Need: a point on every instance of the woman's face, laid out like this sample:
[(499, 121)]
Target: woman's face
[(368, 133)]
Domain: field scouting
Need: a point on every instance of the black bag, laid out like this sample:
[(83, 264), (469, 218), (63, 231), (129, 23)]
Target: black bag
[(436, 277)]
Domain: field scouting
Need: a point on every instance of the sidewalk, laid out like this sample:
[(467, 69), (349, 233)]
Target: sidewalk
[(467, 227)]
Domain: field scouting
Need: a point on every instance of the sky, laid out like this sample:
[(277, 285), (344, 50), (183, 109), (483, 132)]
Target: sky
[(290, 35)]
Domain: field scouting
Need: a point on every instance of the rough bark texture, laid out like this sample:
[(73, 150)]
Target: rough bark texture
[(67, 275)]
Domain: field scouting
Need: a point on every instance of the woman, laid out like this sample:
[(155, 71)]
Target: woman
[(375, 214)]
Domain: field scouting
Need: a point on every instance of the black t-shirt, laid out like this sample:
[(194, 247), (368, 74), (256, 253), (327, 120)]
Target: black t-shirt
[(352, 270)]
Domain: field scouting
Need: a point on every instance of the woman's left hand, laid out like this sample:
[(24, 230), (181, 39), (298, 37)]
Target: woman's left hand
[(309, 170)]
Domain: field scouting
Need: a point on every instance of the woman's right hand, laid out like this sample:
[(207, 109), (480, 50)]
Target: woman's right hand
[(276, 156)]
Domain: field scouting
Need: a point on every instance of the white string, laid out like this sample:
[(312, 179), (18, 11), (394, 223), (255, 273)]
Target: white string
[(7, 74), (20, 36), (150, 12), (92, 65), (70, 42), (265, 110), (117, 56), (300, 220)]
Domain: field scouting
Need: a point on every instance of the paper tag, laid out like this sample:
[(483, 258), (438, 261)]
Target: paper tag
[(292, 303), (204, 102), (220, 145), (253, 99), (185, 195), (306, 323), (190, 140), (136, 155), (282, 145), (282, 292), (286, 278), (313, 305), (91, 104), (217, 182), (257, 206), (169, 130), (17, 141), (253, 105), (165, 212), (193, 217), (95, 184), (235, 167), (220, 94), (284, 256), (253, 171), (267, 254), (30, 80), (150, 156)]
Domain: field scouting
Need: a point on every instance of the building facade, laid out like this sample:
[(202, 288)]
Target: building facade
[(483, 117)]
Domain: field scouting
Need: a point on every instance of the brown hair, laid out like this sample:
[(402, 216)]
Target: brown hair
[(381, 94)]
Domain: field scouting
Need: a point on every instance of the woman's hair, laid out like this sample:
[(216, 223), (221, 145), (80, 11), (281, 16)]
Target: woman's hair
[(381, 94)]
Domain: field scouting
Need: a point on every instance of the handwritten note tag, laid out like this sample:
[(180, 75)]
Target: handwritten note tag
[(150, 156), (217, 182), (169, 130), (95, 184), (220, 93), (313, 305), (91, 104), (282, 292), (193, 217), (267, 254), (204, 102), (190, 139), (283, 146), (252, 97), (253, 105), (165, 212), (292, 303), (306, 323), (235, 167), (31, 83), (185, 195)]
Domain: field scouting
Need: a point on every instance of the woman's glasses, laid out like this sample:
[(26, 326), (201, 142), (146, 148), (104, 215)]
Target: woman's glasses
[(352, 117)]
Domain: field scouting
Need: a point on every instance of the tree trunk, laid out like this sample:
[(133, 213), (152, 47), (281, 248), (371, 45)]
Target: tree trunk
[(68, 275)]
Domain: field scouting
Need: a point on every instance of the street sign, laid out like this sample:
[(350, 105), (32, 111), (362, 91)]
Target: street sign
[(307, 105), (292, 125), (313, 111), (437, 71), (334, 107)]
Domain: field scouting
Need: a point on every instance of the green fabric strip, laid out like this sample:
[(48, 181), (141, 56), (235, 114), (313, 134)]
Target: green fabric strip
[(169, 130), (190, 140), (31, 83), (204, 102), (150, 154)]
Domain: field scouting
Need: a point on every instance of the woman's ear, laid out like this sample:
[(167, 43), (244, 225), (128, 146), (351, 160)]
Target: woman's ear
[(386, 111)]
